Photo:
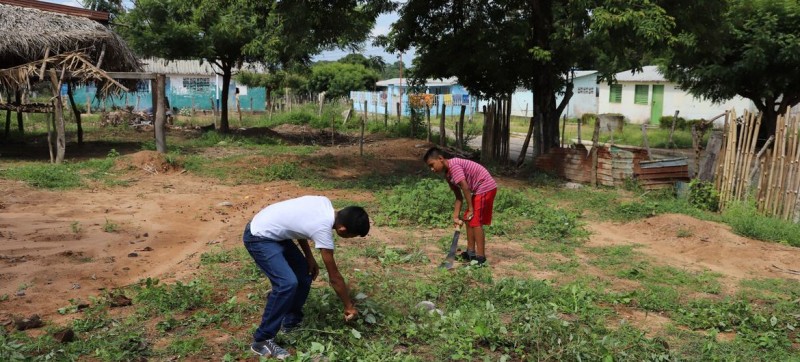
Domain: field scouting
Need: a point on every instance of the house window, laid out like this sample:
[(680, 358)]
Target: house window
[(197, 84), (642, 93), (615, 94), (143, 86)]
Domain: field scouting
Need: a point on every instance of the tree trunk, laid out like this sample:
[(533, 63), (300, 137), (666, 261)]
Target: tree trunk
[(59, 116), (223, 109), (76, 112), (160, 114), (523, 152)]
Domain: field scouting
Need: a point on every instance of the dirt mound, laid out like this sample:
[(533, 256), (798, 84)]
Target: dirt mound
[(151, 162), (684, 241)]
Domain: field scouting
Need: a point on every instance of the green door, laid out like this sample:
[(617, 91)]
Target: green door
[(657, 105)]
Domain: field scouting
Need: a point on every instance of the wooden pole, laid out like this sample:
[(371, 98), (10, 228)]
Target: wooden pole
[(751, 152), (160, 114), (386, 114), (333, 129), (792, 168), (428, 117), (252, 110), (58, 107), (773, 161), (50, 120), (579, 131), (398, 112), (239, 109), (670, 143), (442, 132), (361, 139), (563, 128), (595, 141), (366, 114), (777, 201), (644, 136), (76, 112), (721, 158), (461, 144), (740, 140)]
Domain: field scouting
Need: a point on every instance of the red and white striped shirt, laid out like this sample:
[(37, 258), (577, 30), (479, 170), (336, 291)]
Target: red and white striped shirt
[(478, 178)]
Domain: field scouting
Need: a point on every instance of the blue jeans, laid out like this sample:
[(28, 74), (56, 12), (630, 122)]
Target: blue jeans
[(287, 270)]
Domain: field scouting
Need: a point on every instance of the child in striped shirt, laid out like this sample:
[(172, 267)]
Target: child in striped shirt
[(471, 182)]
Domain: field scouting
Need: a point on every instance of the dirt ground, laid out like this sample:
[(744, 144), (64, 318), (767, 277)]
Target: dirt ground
[(62, 245)]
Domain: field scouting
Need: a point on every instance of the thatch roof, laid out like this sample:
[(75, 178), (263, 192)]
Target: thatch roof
[(26, 35)]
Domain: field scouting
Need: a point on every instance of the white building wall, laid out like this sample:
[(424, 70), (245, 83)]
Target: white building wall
[(690, 107), (584, 98)]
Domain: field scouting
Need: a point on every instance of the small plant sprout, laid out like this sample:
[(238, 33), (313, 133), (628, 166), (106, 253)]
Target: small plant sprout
[(110, 226), (684, 233), (76, 227)]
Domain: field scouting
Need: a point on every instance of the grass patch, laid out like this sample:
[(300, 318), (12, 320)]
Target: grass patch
[(745, 220)]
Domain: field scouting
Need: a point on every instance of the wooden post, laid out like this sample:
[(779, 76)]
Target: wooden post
[(49, 121), (361, 139), (644, 136), (160, 114), (461, 144), (671, 144), (428, 117), (88, 104), (58, 107), (523, 153), (366, 111), (252, 110), (442, 131), (347, 117), (563, 128), (579, 131), (386, 114), (595, 141), (8, 116), (333, 129), (398, 112), (76, 112)]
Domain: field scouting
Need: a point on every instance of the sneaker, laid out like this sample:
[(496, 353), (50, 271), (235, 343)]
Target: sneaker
[(464, 256), (269, 348), (481, 260)]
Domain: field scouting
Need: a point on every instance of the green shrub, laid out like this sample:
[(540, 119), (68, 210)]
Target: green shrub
[(703, 195), (588, 118), (46, 176), (427, 202)]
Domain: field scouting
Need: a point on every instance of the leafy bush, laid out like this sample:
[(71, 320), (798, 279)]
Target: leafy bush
[(162, 298), (703, 195)]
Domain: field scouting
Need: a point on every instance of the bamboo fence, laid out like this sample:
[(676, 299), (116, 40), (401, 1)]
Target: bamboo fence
[(771, 176)]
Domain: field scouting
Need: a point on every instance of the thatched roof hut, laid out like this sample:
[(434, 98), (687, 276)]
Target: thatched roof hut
[(28, 35)]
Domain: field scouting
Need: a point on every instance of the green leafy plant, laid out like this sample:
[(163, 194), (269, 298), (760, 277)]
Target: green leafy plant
[(703, 195), (110, 226)]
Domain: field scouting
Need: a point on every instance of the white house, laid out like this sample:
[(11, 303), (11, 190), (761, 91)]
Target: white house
[(647, 96)]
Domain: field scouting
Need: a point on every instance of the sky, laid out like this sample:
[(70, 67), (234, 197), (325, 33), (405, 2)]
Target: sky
[(382, 26)]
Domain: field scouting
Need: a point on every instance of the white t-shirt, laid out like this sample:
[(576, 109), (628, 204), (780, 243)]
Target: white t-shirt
[(307, 217)]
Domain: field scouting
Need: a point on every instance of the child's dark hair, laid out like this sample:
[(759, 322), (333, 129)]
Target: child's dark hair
[(435, 152), (355, 219)]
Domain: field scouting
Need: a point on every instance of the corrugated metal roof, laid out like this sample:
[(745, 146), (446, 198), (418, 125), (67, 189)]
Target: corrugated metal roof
[(583, 73), (649, 73), (428, 82), (189, 67)]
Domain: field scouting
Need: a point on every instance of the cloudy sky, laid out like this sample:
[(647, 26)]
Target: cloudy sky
[(381, 27)]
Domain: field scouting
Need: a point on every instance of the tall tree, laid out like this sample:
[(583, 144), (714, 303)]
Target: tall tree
[(495, 46), (338, 79), (752, 51), (227, 33)]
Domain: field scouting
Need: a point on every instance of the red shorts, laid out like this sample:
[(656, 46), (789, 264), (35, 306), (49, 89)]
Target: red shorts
[(483, 204)]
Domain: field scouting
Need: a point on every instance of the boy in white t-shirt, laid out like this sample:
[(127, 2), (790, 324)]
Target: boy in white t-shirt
[(268, 239)]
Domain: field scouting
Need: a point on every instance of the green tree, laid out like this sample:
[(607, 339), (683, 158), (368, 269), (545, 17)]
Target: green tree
[(227, 33), (495, 46), (113, 7), (374, 62), (393, 70), (751, 50), (338, 79)]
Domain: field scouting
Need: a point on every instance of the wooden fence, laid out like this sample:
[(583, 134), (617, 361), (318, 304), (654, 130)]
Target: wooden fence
[(771, 175)]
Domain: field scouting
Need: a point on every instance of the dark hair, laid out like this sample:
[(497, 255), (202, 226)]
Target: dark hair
[(435, 152), (355, 219)]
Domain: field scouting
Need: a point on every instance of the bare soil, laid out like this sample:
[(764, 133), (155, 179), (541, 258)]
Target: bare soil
[(62, 245)]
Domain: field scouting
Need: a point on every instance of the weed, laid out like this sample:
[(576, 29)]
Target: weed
[(703, 195), (110, 226), (62, 176), (684, 233), (160, 298), (745, 220), (75, 227)]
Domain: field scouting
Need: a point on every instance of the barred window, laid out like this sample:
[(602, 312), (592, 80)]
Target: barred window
[(197, 84), (642, 93)]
